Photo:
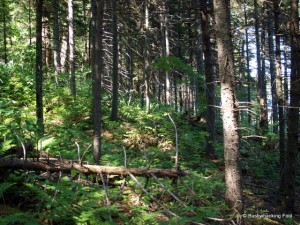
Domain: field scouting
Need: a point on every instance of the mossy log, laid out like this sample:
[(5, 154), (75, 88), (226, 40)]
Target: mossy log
[(67, 165)]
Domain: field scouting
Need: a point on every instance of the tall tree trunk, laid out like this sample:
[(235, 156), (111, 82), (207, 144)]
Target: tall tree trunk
[(115, 75), (270, 29), (279, 92), (209, 80), (86, 34), (71, 49), (146, 57), (4, 31), (233, 176), (97, 69), (39, 68), (199, 53), (167, 46), (247, 64), (263, 120), (29, 22), (288, 198), (56, 42)]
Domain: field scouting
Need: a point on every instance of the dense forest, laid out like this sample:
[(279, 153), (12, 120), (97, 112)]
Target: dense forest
[(149, 112)]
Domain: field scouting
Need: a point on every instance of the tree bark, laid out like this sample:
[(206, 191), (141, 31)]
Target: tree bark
[(68, 165), (233, 176), (97, 69), (167, 51), (56, 41), (263, 120), (71, 49), (270, 28), (29, 22), (115, 75), (39, 68), (4, 31), (209, 80), (288, 198), (247, 64), (146, 58), (279, 92)]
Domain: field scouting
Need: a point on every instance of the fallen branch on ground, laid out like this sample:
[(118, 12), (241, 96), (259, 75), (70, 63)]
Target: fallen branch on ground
[(67, 165)]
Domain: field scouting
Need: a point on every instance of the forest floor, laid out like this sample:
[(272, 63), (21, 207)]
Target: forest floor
[(140, 140)]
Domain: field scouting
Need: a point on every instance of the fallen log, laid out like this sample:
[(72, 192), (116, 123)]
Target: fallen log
[(67, 165)]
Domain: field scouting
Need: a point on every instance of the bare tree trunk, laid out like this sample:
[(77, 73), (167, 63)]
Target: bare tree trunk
[(97, 70), (279, 93), (288, 198), (39, 68), (263, 120), (4, 31), (86, 36), (56, 42), (270, 29), (29, 22), (167, 46), (146, 57), (247, 64), (71, 49), (209, 80), (115, 75), (233, 176)]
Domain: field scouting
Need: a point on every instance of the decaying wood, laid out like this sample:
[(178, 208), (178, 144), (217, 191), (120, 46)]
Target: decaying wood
[(67, 165)]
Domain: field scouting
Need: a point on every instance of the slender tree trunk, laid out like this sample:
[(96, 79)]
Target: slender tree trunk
[(262, 83), (233, 176), (39, 68), (71, 49), (288, 199), (209, 80), (263, 120), (4, 31), (247, 63), (56, 42), (146, 57), (285, 83), (167, 43), (97, 70), (115, 77), (270, 29), (29, 22), (279, 92), (86, 36)]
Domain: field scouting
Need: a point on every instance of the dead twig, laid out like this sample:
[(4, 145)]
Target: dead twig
[(151, 196)]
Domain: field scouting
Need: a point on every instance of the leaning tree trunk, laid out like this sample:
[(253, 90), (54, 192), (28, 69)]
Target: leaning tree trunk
[(288, 198), (39, 68), (97, 69), (233, 177)]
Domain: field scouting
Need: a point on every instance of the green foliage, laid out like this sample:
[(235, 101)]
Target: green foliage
[(20, 218), (170, 63)]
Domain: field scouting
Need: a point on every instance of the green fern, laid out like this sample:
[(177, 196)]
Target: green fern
[(19, 218), (4, 187)]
